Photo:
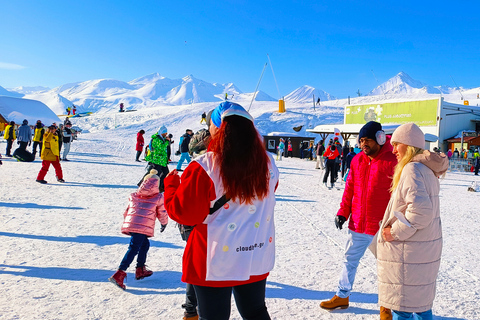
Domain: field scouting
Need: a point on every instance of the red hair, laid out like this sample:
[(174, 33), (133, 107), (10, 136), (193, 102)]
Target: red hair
[(242, 159)]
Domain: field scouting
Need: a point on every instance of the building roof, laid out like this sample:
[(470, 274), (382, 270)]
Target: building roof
[(18, 109)]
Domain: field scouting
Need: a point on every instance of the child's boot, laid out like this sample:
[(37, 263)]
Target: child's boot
[(142, 272), (117, 278)]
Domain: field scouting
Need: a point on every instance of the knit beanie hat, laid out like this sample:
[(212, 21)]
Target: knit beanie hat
[(152, 174), (409, 134), (25, 121), (369, 130), (226, 109), (162, 130)]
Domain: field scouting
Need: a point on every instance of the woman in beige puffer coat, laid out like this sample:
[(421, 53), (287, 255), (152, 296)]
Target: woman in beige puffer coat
[(409, 245)]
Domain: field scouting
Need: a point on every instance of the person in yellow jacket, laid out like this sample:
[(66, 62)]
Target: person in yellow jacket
[(38, 138), (50, 155), (10, 136)]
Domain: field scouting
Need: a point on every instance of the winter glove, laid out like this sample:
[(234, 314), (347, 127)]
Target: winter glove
[(163, 227), (18, 142), (29, 143), (339, 221)]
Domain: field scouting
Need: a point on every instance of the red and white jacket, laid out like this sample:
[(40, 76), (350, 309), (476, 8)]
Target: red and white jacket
[(233, 246), (367, 190)]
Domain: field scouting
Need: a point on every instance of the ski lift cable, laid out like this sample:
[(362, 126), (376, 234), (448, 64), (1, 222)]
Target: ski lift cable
[(459, 90), (255, 92), (379, 85), (274, 78)]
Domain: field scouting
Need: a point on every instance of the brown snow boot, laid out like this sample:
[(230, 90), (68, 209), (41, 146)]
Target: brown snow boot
[(335, 303), (190, 316), (142, 272), (385, 314), (117, 278)]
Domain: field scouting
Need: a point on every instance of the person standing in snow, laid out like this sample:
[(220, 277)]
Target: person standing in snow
[(38, 138), (345, 151), (366, 195), (330, 154), (319, 151), (183, 146), (232, 249), (139, 145), (281, 149), (24, 137), (409, 244), (144, 206), (204, 118), (74, 110), (157, 158), (289, 150), (67, 139), (169, 138), (10, 136), (476, 161), (50, 155)]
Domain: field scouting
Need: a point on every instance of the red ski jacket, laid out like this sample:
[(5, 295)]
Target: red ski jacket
[(367, 190)]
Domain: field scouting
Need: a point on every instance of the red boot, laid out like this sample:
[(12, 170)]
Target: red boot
[(117, 278), (142, 272)]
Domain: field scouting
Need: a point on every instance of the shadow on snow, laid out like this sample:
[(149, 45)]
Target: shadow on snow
[(97, 240), (35, 206)]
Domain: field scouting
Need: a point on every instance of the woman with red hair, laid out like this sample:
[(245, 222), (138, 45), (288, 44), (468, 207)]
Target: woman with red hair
[(231, 248)]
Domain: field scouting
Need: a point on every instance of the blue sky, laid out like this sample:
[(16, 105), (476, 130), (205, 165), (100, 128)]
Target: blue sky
[(330, 45)]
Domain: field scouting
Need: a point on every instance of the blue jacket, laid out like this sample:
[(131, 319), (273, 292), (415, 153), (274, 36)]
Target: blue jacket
[(24, 133)]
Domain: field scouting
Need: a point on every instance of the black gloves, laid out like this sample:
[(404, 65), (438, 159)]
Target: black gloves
[(18, 142), (339, 221), (163, 227)]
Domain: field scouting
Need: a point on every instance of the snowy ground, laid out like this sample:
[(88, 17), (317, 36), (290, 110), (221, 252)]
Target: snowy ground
[(60, 242)]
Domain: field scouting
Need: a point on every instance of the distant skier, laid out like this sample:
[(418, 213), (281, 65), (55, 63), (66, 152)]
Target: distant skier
[(204, 118), (38, 138), (68, 111), (74, 110), (140, 144), (122, 107), (318, 101), (226, 96)]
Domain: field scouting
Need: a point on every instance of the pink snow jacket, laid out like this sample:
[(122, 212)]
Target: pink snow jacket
[(367, 192), (143, 207)]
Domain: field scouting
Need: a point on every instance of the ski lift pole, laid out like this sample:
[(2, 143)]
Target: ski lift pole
[(255, 92), (274, 78)]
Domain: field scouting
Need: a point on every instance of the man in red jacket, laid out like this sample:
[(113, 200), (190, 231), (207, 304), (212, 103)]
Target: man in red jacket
[(364, 201)]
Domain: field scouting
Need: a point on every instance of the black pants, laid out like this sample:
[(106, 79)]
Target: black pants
[(34, 149), (214, 303), (190, 304), (9, 147), (329, 170), (139, 153), (162, 173), (23, 145)]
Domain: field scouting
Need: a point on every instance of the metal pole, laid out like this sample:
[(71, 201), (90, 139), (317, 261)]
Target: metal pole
[(271, 66), (255, 92)]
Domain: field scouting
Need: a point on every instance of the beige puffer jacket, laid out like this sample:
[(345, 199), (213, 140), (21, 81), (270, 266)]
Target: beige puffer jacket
[(408, 266)]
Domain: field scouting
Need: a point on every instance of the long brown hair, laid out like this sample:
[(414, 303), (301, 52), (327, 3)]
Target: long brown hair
[(242, 159)]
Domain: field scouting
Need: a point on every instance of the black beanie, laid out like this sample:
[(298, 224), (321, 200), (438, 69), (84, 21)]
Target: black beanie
[(369, 130)]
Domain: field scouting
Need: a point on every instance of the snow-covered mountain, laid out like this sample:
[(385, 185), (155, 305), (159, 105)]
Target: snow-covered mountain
[(103, 95), (56, 102), (402, 83), (7, 93), (306, 94), (29, 90)]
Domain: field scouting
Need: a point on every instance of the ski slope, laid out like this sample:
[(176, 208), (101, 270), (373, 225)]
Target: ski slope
[(60, 242)]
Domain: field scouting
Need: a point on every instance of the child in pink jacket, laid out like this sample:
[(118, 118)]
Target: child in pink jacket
[(139, 222)]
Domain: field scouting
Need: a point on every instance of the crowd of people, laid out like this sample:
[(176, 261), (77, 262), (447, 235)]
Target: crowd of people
[(390, 201), (48, 140)]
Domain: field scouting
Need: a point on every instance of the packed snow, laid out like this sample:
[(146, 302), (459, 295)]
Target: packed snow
[(61, 242)]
